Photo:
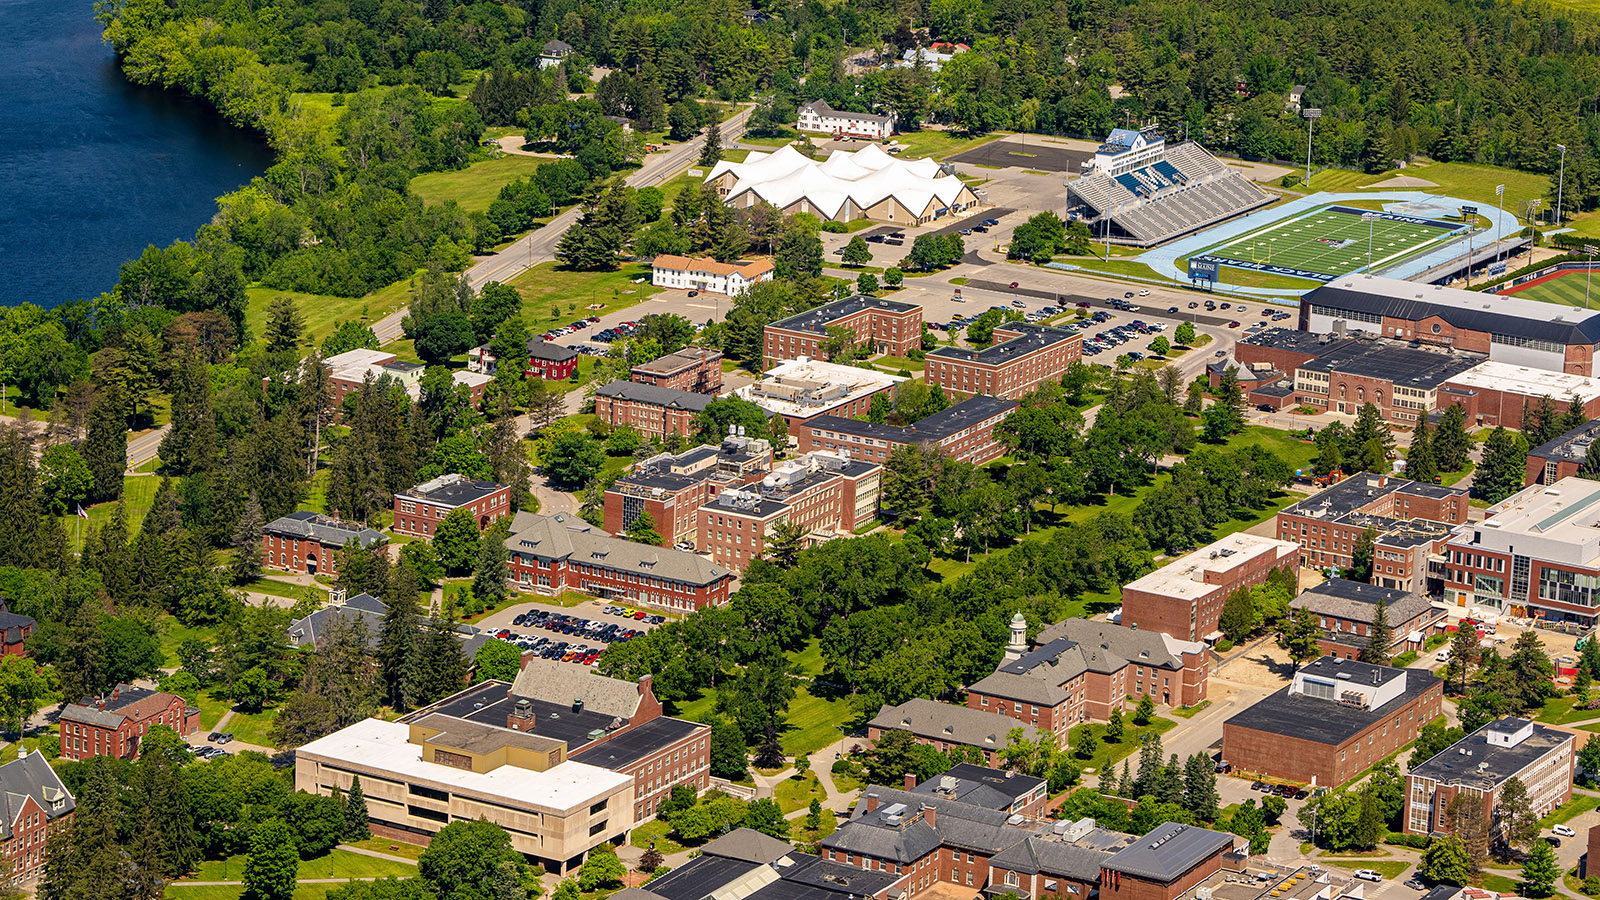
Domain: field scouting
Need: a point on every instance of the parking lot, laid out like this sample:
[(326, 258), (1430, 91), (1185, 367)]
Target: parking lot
[(1022, 154), (586, 629)]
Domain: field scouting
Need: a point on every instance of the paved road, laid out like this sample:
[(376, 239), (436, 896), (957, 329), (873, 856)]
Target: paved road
[(143, 447), (539, 246)]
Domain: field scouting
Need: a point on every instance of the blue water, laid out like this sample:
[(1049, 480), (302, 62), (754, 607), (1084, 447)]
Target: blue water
[(93, 168)]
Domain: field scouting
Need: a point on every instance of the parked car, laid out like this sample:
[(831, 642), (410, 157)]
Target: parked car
[(1552, 841), (1416, 884), (1443, 655), (1564, 831), (1368, 875)]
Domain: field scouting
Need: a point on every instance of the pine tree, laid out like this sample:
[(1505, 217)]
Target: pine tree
[(1362, 556), (1169, 783), (1114, 727), (247, 542), (1378, 637), (489, 577), (1540, 871), (440, 669), (1200, 795), (1126, 785), (1450, 441), (1505, 461), (1421, 465), (711, 151), (105, 447), (191, 445), (355, 813), (286, 325), (398, 639)]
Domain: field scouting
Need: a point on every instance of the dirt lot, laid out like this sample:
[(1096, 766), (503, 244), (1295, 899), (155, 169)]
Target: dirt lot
[(1022, 154), (1265, 665)]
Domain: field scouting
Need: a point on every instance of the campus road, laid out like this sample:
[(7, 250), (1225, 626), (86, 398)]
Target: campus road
[(539, 246)]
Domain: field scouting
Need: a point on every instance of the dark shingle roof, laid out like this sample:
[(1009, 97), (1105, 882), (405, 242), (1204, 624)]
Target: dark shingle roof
[(1041, 856), (31, 776), (671, 398), (749, 845), (936, 427), (1359, 602), (1169, 851), (550, 351), (363, 609), (452, 490), (323, 529)]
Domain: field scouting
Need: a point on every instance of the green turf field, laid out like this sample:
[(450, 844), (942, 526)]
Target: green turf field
[(1331, 241), (1571, 287)]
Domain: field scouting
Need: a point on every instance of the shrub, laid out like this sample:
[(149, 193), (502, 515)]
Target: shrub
[(1224, 645)]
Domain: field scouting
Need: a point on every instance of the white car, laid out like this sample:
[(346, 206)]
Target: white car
[(1443, 655), (1368, 875), (1564, 831), (1144, 293)]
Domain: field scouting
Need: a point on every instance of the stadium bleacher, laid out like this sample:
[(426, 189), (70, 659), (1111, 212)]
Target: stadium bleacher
[(1188, 190)]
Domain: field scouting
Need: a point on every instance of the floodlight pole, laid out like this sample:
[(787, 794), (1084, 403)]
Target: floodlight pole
[(1370, 219), (1561, 182), (1312, 115), (1499, 217), (1588, 273)]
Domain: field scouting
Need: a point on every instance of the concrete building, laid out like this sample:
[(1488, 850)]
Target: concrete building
[(1334, 721), (1561, 457), (552, 554), (803, 389), (1407, 515), (349, 370), (1506, 329), (1346, 611), (115, 725), (963, 432), (1536, 554), (419, 510), (823, 494), (1081, 670), (888, 326), (1478, 767), (1184, 598), (34, 805), (654, 412), (1022, 356), (943, 726), (1495, 393), (991, 788), (694, 369), (703, 274), (305, 542), (818, 116), (671, 489)]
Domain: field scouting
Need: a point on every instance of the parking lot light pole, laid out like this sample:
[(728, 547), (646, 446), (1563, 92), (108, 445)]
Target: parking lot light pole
[(1312, 115)]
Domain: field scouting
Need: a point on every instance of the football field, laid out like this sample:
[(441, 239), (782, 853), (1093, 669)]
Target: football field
[(1572, 287), (1330, 242)]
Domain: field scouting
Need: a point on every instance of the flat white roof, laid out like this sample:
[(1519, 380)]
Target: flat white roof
[(384, 746), (1500, 376), (1184, 577), (358, 357), (1571, 505), (860, 383), (1504, 304)]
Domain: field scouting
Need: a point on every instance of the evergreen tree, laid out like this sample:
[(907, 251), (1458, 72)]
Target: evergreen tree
[(1505, 461), (1590, 467), (1114, 727), (1200, 795), (355, 813), (1378, 637), (105, 448), (1145, 712), (1518, 825), (286, 325), (1421, 465), (247, 542), (1540, 871), (1169, 782), (1451, 441), (1573, 417), (1369, 824), (398, 640), (489, 578), (440, 669), (1126, 785), (711, 150), (191, 445), (1362, 556)]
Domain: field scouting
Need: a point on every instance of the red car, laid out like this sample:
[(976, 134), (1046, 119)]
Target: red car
[(1234, 324), (1015, 283)]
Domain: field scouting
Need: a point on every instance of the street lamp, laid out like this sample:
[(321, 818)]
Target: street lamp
[(1370, 217), (1312, 115), (1561, 181)]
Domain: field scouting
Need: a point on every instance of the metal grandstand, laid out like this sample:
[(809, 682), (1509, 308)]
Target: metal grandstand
[(1188, 190)]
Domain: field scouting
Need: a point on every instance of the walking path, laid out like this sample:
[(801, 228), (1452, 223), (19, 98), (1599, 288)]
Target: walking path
[(375, 854)]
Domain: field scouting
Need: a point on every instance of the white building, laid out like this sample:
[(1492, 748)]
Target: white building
[(819, 116), (688, 274), (804, 388), (866, 184), (1126, 150)]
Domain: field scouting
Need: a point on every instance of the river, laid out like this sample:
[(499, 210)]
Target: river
[(92, 168)]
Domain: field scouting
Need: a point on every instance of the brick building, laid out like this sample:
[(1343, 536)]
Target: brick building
[(1506, 329), (1284, 349), (1404, 383), (992, 788), (1022, 356), (1081, 670), (1478, 767), (805, 389), (654, 412), (694, 369), (1164, 864), (306, 542), (1407, 515), (419, 510), (1334, 721), (1346, 610), (1536, 554), (944, 726), (824, 494), (550, 361), (34, 805), (671, 489), (1495, 393), (551, 554), (15, 629), (888, 326), (963, 432), (1184, 598), (1561, 457), (114, 725)]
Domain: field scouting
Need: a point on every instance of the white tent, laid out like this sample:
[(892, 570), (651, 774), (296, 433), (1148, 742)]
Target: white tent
[(845, 184)]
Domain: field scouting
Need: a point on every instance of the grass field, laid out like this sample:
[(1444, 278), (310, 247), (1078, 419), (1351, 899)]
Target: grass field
[(1331, 241), (1570, 288), (1388, 868), (1108, 754), (324, 313), (552, 295), (476, 186), (796, 793), (1566, 812)]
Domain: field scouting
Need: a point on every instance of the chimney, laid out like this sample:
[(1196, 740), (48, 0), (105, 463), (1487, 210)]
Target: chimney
[(911, 781), (102, 702), (930, 815), (644, 684), (872, 803), (521, 717), (114, 692)]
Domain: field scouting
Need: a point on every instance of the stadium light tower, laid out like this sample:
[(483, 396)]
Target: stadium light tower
[(1561, 181), (1312, 115), (1588, 273), (1499, 202), (1371, 218)]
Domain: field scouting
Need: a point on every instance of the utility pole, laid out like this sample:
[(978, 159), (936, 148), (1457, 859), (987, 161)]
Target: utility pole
[(1312, 115), (1561, 181)]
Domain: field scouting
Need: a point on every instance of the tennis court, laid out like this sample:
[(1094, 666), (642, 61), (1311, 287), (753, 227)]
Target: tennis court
[(1332, 241)]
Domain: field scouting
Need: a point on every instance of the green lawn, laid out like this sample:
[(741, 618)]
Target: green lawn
[(893, 364), (253, 728), (1388, 868), (808, 660), (1190, 712), (274, 588), (796, 793), (1561, 711), (939, 144), (1108, 754), (138, 492), (552, 295), (323, 312), (391, 847), (813, 722), (170, 633), (1501, 884), (476, 186), (1566, 812)]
